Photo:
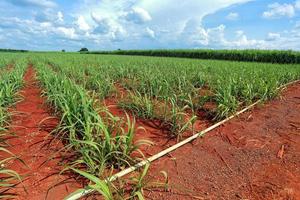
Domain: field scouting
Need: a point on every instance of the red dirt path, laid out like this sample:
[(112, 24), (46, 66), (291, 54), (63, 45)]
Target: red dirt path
[(31, 144), (255, 156)]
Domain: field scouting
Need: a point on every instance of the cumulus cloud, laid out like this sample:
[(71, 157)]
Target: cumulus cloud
[(82, 24), (30, 34), (33, 3), (244, 42), (239, 33), (104, 24), (232, 16), (135, 24), (150, 33), (195, 34), (118, 34), (214, 37), (60, 16), (32, 28), (273, 36), (277, 10), (109, 27), (217, 34), (138, 15), (69, 33), (111, 21)]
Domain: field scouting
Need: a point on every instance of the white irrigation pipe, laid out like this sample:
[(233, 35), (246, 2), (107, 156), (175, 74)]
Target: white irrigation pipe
[(84, 192)]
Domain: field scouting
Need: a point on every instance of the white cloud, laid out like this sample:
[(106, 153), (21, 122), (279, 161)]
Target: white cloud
[(33, 3), (273, 36), (150, 33), (139, 24), (46, 24), (169, 17), (195, 34), (104, 24), (41, 32), (82, 24), (109, 27), (203, 36), (232, 16), (185, 9), (215, 38), (118, 34), (244, 42), (60, 16), (294, 34), (277, 10), (287, 40), (67, 32), (217, 35), (138, 15), (239, 33)]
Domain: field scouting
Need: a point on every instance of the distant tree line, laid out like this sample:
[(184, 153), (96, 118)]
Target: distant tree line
[(13, 50), (84, 49), (252, 55)]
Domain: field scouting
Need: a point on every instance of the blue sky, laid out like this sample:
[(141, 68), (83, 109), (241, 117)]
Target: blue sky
[(149, 24)]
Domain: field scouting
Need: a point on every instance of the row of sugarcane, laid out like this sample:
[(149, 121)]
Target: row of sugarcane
[(11, 81), (251, 55)]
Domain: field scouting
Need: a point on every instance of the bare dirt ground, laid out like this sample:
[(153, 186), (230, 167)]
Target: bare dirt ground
[(31, 125), (255, 156)]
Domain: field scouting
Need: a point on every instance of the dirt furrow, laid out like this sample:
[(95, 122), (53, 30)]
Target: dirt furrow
[(31, 125), (149, 130)]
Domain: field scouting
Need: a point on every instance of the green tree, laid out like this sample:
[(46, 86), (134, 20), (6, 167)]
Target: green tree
[(83, 49)]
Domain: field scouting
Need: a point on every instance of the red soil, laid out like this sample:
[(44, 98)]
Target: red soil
[(255, 156), (32, 144), (146, 129)]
